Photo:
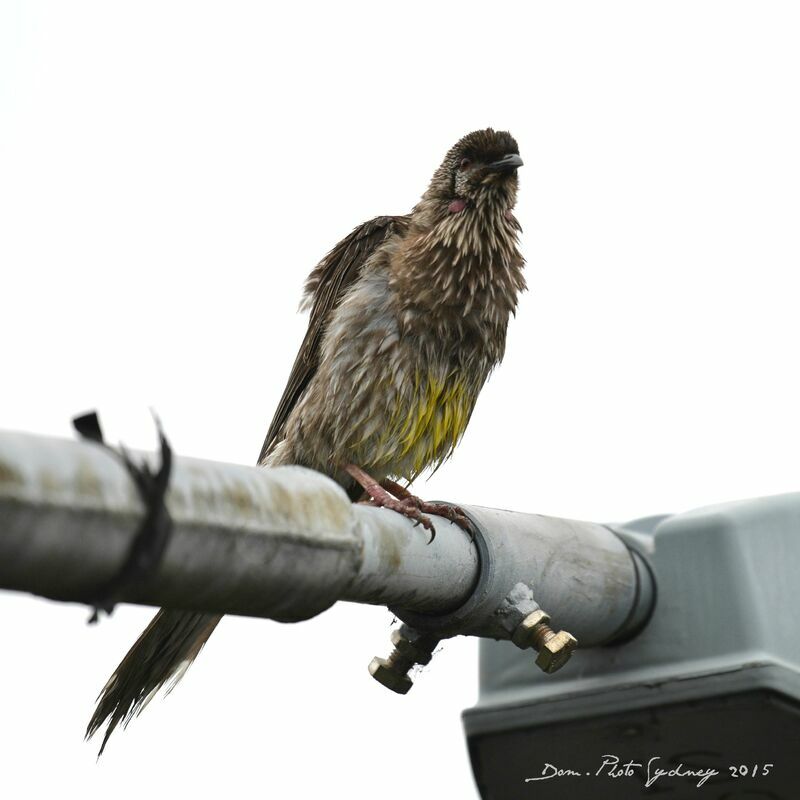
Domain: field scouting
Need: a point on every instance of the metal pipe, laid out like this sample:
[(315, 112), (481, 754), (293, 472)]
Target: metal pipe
[(585, 577), (398, 561), (283, 543), (286, 543)]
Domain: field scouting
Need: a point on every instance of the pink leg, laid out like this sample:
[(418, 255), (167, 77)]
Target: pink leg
[(381, 498), (453, 513)]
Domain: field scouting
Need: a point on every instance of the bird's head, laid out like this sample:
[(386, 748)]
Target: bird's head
[(479, 171), (460, 255)]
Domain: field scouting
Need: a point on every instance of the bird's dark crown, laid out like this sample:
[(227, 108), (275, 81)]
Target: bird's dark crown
[(485, 146)]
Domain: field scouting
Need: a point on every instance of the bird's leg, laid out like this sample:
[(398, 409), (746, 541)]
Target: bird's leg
[(453, 513), (408, 507), (400, 492)]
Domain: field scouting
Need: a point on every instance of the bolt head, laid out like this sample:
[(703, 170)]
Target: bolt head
[(523, 634), (384, 673), (556, 651)]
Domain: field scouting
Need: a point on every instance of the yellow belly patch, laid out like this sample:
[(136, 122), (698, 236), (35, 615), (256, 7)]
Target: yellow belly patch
[(426, 430)]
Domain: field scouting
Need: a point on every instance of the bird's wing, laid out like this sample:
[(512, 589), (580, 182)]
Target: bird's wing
[(324, 289)]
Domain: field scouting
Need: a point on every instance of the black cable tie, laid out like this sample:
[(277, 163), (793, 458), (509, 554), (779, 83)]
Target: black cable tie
[(155, 529)]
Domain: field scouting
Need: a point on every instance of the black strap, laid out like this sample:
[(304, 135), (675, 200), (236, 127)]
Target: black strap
[(154, 532)]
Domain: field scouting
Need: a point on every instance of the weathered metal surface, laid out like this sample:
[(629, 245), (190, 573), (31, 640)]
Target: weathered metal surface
[(400, 567), (286, 543), (280, 543), (580, 573)]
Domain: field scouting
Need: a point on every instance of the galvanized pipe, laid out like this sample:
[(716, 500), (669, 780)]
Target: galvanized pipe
[(588, 580), (398, 561), (286, 543), (283, 543)]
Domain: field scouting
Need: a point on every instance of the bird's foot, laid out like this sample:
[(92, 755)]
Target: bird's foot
[(453, 513), (408, 506), (408, 509)]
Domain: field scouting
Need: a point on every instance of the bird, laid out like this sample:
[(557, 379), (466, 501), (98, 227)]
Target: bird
[(408, 316)]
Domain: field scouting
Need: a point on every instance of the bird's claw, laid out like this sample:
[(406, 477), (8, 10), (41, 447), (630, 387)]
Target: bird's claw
[(454, 514), (409, 509)]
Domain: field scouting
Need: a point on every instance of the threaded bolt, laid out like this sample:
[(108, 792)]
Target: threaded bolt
[(554, 649), (410, 648)]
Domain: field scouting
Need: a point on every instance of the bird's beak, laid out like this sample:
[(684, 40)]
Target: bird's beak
[(506, 163)]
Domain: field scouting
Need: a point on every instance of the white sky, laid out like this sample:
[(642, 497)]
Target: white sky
[(170, 172)]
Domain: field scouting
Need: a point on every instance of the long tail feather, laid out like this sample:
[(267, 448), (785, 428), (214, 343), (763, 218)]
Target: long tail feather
[(164, 651)]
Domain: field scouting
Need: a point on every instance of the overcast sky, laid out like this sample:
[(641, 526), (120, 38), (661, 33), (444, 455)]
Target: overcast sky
[(171, 171)]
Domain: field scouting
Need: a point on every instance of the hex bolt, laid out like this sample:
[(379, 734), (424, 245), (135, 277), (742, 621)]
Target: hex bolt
[(554, 649), (410, 647)]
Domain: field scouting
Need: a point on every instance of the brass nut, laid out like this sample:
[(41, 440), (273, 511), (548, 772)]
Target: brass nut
[(555, 651), (524, 635), (390, 677)]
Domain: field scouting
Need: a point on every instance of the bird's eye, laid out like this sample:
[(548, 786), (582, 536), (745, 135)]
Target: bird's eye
[(465, 162)]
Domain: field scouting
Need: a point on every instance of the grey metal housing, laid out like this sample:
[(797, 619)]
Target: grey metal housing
[(712, 680)]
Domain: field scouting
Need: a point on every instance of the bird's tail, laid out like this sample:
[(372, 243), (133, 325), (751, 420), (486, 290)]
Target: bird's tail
[(163, 652)]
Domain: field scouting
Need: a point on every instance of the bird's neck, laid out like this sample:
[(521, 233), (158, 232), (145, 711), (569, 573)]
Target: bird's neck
[(459, 268)]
